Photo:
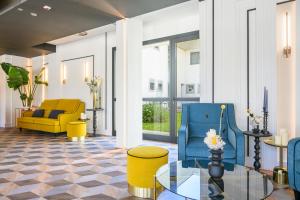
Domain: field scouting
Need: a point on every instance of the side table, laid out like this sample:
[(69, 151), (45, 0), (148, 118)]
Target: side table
[(257, 137), (280, 173), (94, 110)]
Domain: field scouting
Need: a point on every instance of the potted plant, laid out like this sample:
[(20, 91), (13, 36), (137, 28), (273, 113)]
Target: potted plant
[(18, 79)]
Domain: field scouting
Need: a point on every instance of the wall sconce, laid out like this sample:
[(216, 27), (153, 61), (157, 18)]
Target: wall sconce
[(287, 50), (86, 71), (64, 74)]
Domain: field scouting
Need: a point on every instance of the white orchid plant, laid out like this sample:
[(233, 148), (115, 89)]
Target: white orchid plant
[(213, 140), (255, 119)]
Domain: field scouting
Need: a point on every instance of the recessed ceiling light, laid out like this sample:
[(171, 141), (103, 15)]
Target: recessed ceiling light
[(84, 33), (46, 7), (33, 14), (20, 9)]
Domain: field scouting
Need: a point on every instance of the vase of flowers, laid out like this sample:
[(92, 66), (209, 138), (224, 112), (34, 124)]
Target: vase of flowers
[(255, 121), (95, 89), (216, 144)]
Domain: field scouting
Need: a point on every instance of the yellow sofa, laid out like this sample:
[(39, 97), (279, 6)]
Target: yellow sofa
[(72, 108)]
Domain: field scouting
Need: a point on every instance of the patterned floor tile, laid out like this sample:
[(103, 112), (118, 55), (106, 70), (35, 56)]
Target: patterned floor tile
[(36, 165)]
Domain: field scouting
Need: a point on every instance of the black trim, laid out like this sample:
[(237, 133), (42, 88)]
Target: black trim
[(289, 1), (248, 76), (147, 157), (105, 110), (82, 57), (114, 50), (213, 51)]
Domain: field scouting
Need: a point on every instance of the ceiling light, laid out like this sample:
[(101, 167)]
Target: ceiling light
[(46, 7), (84, 33), (33, 14), (20, 9)]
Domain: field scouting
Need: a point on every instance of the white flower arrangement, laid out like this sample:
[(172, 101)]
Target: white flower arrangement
[(255, 119), (214, 141)]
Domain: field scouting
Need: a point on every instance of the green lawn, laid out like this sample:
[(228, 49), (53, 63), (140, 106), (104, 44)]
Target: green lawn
[(162, 126)]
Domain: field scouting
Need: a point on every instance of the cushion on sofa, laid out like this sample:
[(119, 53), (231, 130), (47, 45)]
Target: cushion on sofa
[(46, 121), (196, 143), (38, 113), (54, 114), (68, 105)]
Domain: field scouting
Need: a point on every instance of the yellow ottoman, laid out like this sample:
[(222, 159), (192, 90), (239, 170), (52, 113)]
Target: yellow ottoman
[(142, 164), (76, 130)]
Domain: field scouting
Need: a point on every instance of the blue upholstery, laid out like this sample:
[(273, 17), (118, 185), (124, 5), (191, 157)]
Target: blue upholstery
[(197, 119), (294, 163)]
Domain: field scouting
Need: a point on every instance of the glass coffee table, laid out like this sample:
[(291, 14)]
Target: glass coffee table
[(190, 179)]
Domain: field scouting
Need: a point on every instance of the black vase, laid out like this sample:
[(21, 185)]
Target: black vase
[(216, 166)]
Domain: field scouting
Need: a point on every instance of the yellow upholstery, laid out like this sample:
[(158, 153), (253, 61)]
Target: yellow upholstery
[(72, 107), (142, 164), (76, 129)]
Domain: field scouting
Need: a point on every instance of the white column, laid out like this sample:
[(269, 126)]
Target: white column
[(129, 36), (2, 94), (297, 72)]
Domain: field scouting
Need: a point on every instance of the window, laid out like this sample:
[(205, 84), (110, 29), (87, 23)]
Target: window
[(159, 86), (151, 85), (194, 58), (190, 89)]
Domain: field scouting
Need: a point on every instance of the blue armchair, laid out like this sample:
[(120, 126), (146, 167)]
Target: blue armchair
[(197, 119), (294, 166)]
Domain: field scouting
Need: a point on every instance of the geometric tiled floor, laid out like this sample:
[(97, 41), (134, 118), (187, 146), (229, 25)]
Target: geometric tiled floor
[(43, 166)]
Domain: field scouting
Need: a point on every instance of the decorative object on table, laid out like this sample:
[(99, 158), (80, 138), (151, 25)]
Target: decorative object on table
[(18, 79), (216, 144), (95, 89), (83, 116), (280, 173), (257, 137), (255, 121), (94, 110), (265, 111)]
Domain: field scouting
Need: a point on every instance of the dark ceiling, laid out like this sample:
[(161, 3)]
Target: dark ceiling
[(20, 32)]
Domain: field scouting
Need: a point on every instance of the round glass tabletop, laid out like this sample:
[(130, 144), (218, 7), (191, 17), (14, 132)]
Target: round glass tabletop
[(190, 179)]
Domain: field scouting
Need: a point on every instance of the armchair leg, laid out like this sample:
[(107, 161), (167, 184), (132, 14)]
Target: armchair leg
[(20, 129), (297, 195)]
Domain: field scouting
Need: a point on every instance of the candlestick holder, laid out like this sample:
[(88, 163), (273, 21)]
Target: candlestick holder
[(265, 123)]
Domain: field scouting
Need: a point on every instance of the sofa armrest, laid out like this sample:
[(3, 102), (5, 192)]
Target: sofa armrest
[(27, 113), (237, 140), (293, 156), (64, 119), (182, 141)]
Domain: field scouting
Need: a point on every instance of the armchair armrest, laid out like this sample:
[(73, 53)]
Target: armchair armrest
[(182, 141), (293, 157), (237, 140)]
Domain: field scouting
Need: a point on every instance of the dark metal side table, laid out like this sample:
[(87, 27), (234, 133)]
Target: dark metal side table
[(257, 137), (95, 111)]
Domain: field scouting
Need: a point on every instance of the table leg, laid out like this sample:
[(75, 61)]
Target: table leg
[(257, 164), (280, 157), (154, 189), (94, 122)]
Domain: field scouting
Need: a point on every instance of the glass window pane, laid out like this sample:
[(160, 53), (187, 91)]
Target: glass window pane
[(155, 70), (188, 68), (156, 118)]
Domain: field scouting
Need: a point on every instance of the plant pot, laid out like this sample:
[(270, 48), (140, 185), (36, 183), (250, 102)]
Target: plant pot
[(216, 166)]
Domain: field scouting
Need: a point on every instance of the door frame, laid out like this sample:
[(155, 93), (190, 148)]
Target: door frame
[(172, 98), (113, 127)]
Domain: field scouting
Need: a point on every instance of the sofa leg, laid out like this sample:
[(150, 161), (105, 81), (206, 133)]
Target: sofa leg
[(297, 195), (20, 129)]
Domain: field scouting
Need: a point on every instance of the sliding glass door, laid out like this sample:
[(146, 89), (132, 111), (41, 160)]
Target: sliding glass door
[(170, 74)]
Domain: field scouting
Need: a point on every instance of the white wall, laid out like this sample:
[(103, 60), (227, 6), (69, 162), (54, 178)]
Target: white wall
[(75, 86)]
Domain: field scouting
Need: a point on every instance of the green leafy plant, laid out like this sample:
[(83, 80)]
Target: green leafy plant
[(154, 113), (18, 79)]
